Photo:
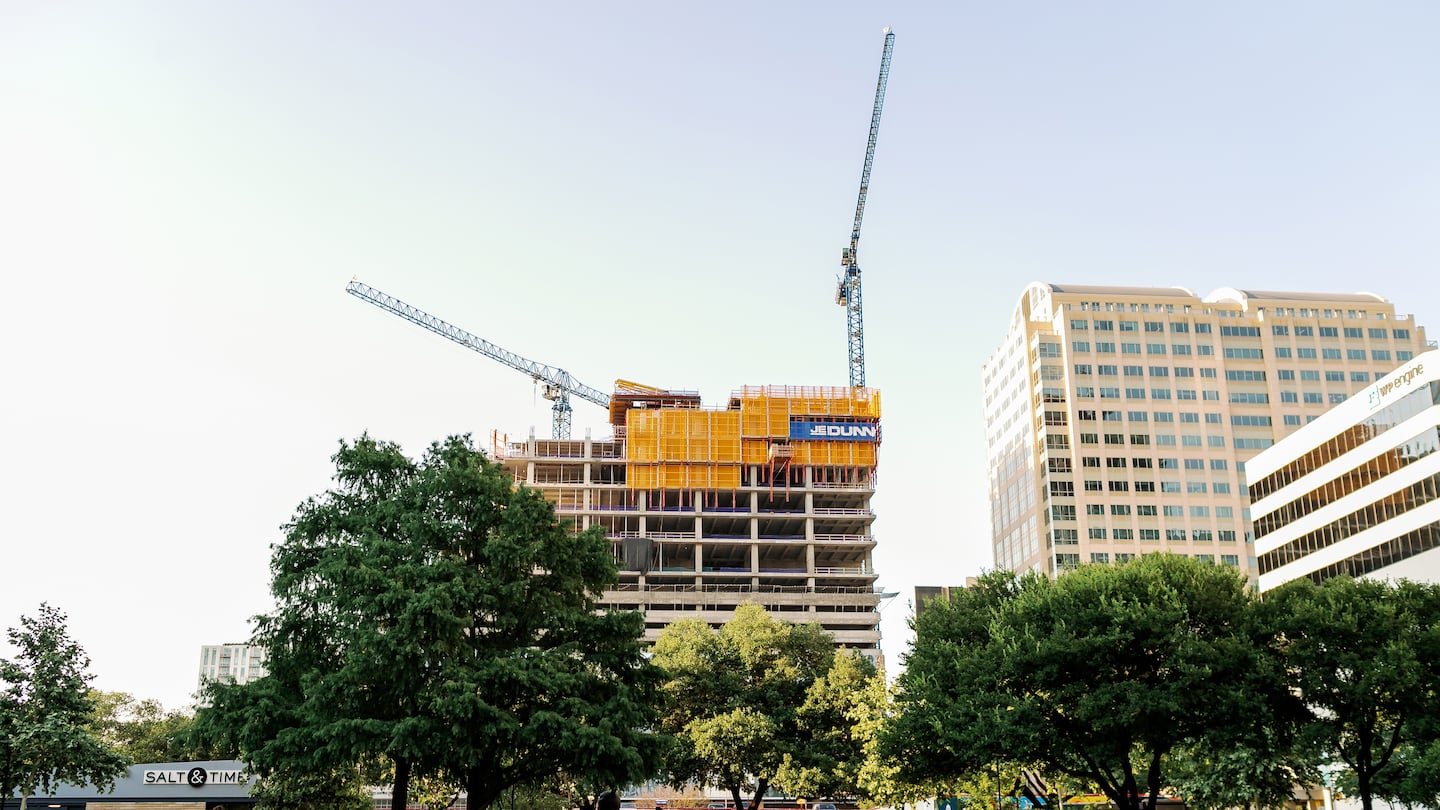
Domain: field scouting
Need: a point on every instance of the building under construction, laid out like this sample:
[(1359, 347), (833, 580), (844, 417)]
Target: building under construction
[(765, 501)]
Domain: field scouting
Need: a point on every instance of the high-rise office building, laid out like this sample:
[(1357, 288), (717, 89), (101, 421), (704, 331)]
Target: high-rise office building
[(1118, 419), (1356, 492), (765, 500)]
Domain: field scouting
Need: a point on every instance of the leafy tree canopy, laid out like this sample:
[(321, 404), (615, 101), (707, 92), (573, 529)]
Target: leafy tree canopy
[(143, 730), (46, 711), (1098, 675), (433, 614), (762, 703), (1365, 657)]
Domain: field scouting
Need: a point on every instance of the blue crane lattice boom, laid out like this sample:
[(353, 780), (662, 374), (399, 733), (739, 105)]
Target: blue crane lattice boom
[(847, 290), (557, 381)]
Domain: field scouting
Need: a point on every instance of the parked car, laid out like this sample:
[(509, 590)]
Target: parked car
[(825, 806)]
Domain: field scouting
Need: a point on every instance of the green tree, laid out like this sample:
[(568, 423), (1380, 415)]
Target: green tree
[(762, 703), (46, 710), (1365, 657), (300, 790), (1097, 676), (142, 730), (433, 614)]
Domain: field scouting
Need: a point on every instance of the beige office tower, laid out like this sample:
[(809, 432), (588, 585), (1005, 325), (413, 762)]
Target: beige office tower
[(1118, 419), (765, 500)]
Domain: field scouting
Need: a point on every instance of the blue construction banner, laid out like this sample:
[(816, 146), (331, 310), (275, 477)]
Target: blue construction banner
[(834, 431)]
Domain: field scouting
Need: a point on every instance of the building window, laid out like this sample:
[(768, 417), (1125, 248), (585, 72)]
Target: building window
[(1307, 331), (1119, 486), (1175, 534), (1099, 558), (1120, 509), (1104, 347), (1149, 534), (1230, 559), (1095, 509), (1246, 420), (1169, 486), (1092, 485), (1079, 324), (1242, 353), (1379, 354), (1107, 370), (1067, 562), (1174, 511), (1220, 487), (1195, 487), (1144, 486), (1244, 375), (1289, 396), (1085, 391), (1080, 345), (1201, 535), (1182, 349), (1146, 510), (1097, 532), (1360, 376)]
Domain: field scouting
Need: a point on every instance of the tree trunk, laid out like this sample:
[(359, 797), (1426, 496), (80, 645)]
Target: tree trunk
[(400, 792), (762, 784), (478, 794)]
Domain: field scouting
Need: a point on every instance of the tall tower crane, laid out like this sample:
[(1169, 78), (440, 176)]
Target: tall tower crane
[(557, 382), (847, 290)]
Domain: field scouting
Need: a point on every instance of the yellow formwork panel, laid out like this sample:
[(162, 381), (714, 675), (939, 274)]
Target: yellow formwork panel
[(840, 454), (682, 434), (766, 411), (682, 476)]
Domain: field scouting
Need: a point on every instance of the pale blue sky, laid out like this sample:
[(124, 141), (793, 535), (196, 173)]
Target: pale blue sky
[(653, 191)]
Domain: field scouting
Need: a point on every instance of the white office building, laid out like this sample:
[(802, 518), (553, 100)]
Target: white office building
[(1357, 491)]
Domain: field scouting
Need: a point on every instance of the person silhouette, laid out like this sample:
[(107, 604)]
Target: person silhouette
[(609, 800)]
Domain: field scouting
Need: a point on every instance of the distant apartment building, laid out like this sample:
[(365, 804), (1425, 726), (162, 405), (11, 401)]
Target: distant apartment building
[(231, 663), (1119, 419), (1357, 491)]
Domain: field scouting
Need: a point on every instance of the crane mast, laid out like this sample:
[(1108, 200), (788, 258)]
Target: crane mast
[(847, 289), (557, 383)]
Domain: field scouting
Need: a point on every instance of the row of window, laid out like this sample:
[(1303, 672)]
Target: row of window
[(1062, 512), (1189, 394), (1366, 517), (1059, 441), (1051, 350), (1278, 330), (1234, 375), (1350, 332), (1067, 488), (1157, 510), (1069, 562), (1408, 406)]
